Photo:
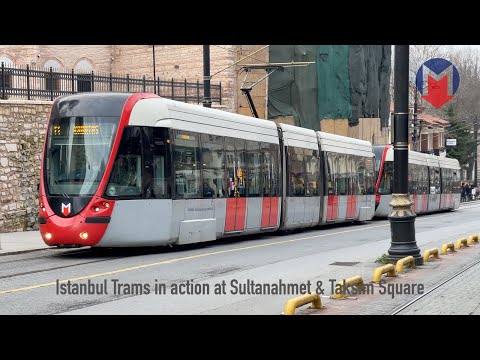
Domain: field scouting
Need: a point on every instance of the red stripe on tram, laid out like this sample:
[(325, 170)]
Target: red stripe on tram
[(266, 204), (274, 212), (241, 211)]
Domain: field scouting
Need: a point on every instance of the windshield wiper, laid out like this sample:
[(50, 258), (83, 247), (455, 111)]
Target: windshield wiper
[(64, 195)]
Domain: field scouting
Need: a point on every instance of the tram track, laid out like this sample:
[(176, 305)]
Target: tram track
[(398, 310)]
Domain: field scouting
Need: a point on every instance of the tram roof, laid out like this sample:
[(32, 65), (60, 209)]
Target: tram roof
[(344, 144), (299, 137), (172, 114)]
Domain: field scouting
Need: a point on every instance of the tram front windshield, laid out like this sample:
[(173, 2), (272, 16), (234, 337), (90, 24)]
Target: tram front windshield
[(77, 152)]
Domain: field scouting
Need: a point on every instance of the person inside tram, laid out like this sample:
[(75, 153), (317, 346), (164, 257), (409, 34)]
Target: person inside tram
[(207, 190), (299, 185)]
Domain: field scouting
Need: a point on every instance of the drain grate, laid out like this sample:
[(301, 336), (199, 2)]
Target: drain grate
[(345, 263)]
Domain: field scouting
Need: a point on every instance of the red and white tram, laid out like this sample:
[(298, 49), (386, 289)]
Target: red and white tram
[(434, 182), (124, 170)]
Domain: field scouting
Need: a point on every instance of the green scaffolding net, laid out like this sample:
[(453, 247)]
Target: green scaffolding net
[(346, 81)]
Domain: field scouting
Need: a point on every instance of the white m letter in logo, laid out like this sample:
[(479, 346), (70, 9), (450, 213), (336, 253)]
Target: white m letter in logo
[(66, 208)]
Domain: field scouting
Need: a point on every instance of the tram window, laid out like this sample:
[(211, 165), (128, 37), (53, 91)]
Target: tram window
[(425, 179), (126, 178), (240, 172), (231, 166), (311, 171), (275, 169), (361, 175), (353, 174), (213, 166), (186, 157), (296, 172), (412, 181), (331, 174), (371, 176), (444, 180), (450, 180), (342, 174), (434, 180), (456, 182), (270, 175), (254, 168), (385, 186), (266, 169), (160, 186)]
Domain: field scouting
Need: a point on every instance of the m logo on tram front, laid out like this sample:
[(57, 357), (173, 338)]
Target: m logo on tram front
[(66, 208)]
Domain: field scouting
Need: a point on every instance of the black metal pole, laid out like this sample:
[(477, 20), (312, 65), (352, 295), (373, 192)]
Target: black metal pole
[(207, 100), (28, 82), (402, 218), (415, 108), (154, 73), (3, 81)]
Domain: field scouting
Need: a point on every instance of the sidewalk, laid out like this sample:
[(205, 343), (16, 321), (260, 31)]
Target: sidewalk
[(450, 299), (22, 241)]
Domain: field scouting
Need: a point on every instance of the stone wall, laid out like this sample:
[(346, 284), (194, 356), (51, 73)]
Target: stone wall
[(22, 132)]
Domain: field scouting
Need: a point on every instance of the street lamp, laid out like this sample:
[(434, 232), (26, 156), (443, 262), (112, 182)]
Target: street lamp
[(402, 218), (207, 100)]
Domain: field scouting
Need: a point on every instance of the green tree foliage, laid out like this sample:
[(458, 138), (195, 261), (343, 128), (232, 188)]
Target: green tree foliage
[(464, 151)]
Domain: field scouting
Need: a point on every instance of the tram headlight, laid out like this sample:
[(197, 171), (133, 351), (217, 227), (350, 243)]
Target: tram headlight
[(48, 236), (84, 235), (96, 209), (106, 204)]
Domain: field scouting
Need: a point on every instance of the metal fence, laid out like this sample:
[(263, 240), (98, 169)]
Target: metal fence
[(46, 84)]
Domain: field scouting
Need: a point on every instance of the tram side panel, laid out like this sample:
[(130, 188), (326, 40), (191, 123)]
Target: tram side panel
[(301, 177), (349, 173)]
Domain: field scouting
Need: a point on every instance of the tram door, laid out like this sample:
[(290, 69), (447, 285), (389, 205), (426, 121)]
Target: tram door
[(332, 193), (236, 181), (269, 163)]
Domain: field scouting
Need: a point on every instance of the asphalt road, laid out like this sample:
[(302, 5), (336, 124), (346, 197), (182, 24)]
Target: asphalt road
[(121, 278)]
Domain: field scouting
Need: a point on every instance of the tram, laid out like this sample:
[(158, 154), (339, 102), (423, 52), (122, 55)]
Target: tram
[(127, 170), (434, 182)]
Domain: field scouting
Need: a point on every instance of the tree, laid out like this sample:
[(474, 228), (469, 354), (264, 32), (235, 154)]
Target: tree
[(464, 151)]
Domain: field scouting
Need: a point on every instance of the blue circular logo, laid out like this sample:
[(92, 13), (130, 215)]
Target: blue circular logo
[(437, 80)]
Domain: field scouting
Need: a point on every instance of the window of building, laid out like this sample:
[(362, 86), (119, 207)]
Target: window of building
[(83, 70), (6, 78), (52, 79)]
